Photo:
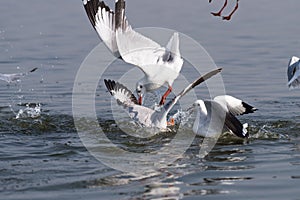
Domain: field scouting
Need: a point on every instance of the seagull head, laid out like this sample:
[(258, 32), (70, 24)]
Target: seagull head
[(199, 105), (293, 72), (140, 90)]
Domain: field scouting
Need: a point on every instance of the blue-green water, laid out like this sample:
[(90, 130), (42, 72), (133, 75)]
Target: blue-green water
[(44, 158)]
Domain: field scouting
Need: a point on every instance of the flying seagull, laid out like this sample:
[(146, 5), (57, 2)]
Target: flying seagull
[(161, 65), (219, 115), (11, 78), (144, 115), (293, 73)]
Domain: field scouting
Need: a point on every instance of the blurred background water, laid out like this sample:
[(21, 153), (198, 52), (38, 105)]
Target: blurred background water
[(42, 157)]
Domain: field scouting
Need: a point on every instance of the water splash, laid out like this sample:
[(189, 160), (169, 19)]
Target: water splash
[(271, 130), (32, 110), (182, 117)]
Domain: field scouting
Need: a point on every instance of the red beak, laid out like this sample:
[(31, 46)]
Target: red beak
[(140, 100)]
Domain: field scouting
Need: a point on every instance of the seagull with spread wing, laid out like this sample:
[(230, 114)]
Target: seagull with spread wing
[(144, 115), (161, 65)]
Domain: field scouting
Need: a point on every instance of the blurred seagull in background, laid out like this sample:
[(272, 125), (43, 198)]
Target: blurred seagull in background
[(145, 116), (228, 17), (161, 65), (293, 73), (12, 78), (218, 115)]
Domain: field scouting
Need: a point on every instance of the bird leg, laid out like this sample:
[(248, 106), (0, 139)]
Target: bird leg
[(163, 98), (235, 8), (220, 11)]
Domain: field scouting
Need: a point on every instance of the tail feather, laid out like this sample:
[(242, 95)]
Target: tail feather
[(173, 44)]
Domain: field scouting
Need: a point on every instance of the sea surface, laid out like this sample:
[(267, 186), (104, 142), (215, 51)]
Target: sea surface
[(44, 153)]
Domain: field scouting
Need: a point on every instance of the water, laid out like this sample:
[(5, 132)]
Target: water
[(42, 157)]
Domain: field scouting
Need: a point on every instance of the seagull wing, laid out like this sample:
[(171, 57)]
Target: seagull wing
[(103, 20), (143, 52), (235, 126), (140, 50), (295, 80), (137, 49), (293, 73), (121, 93), (172, 102), (124, 97), (234, 105), (221, 119)]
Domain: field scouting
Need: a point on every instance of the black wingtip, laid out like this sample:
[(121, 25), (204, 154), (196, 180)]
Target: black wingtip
[(110, 85), (34, 69), (206, 77), (92, 7), (119, 13), (235, 126), (248, 108)]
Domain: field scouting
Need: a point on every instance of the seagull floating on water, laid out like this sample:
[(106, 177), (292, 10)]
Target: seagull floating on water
[(161, 65), (219, 114), (11, 78), (144, 115), (228, 17), (293, 73)]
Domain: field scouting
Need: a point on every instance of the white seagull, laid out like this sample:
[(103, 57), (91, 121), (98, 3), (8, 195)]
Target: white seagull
[(144, 115), (161, 65), (218, 115), (11, 78), (293, 73)]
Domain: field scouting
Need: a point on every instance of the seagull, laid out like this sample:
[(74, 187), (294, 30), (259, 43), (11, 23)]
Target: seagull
[(228, 17), (145, 116), (161, 65), (11, 78), (219, 114), (293, 73)]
